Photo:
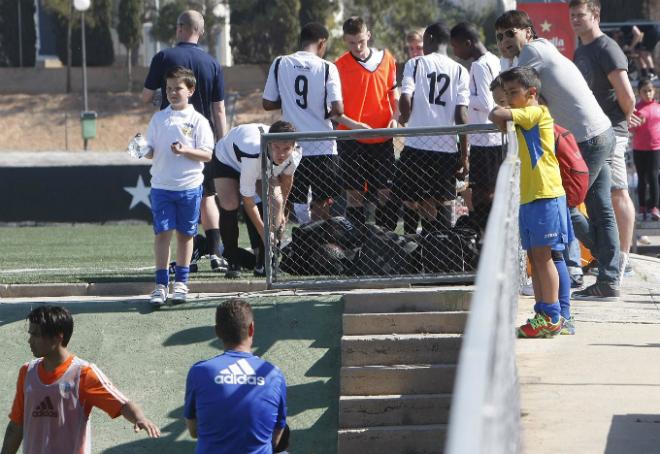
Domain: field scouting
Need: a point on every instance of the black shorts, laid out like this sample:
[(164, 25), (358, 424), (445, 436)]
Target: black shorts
[(484, 164), (425, 174), (366, 163), (318, 172), (208, 186), (222, 170)]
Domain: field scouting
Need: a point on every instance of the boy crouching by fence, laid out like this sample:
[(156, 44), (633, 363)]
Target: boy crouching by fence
[(181, 140), (545, 227)]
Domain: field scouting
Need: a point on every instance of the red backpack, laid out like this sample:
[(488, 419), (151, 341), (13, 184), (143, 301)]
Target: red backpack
[(573, 169)]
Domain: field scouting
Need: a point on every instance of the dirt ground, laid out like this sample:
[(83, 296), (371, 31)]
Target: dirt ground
[(52, 122)]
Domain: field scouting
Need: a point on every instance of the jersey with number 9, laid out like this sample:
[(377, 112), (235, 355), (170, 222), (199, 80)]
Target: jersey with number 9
[(306, 85)]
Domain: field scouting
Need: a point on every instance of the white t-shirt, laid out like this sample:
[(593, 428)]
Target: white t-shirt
[(506, 64), (438, 84), (306, 85), (372, 61), (171, 171), (482, 73), (240, 149)]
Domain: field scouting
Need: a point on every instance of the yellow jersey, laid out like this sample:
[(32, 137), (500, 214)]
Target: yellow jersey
[(539, 168)]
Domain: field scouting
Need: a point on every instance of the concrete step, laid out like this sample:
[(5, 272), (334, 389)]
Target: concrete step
[(404, 323), (379, 349), (428, 439), (397, 379), (651, 250), (397, 300), (411, 409)]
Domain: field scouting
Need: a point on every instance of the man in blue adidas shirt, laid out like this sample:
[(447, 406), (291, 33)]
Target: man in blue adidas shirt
[(235, 402)]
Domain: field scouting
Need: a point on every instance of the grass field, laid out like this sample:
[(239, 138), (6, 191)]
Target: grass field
[(147, 355), (84, 253)]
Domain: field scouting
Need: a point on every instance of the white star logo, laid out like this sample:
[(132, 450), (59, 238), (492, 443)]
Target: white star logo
[(546, 26), (139, 192)]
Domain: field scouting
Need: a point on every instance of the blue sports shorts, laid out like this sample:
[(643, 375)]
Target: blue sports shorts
[(545, 222), (176, 210)]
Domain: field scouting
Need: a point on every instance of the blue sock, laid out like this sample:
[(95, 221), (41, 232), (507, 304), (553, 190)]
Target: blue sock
[(564, 288), (181, 273), (162, 277), (553, 310)]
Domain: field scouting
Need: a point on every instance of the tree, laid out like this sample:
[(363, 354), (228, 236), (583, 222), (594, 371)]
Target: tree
[(390, 21), (165, 23), (263, 29), (98, 20), (317, 11), (100, 51), (11, 43), (129, 29)]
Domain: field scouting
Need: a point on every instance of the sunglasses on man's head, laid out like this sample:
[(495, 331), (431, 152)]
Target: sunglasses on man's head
[(510, 33)]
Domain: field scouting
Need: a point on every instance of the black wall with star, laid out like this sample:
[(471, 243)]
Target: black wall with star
[(74, 194)]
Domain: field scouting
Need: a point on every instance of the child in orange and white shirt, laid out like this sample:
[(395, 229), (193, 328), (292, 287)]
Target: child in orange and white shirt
[(56, 392)]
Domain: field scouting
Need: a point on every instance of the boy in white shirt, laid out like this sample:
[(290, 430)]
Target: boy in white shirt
[(239, 178), (181, 140)]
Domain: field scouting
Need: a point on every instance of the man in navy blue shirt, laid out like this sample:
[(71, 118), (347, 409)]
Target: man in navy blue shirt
[(235, 402), (208, 100)]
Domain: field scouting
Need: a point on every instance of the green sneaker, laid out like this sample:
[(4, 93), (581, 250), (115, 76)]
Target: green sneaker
[(568, 326), (540, 326)]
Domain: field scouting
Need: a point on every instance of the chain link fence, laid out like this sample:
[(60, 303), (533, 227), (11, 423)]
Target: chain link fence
[(390, 205), (485, 408)]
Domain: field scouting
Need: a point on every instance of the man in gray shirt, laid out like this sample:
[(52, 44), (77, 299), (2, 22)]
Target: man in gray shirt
[(573, 105), (605, 68)]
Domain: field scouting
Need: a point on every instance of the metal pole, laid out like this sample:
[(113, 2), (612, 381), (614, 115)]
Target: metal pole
[(265, 200), (84, 70), (20, 36), (69, 27), (84, 62)]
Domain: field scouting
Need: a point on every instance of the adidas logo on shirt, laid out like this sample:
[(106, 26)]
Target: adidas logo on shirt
[(45, 408), (239, 373)]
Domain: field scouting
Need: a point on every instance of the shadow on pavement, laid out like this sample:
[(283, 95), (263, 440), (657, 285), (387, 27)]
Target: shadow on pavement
[(166, 444), (634, 434)]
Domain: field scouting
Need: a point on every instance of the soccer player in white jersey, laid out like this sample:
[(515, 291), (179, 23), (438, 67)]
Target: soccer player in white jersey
[(431, 164), (308, 90), (485, 149), (56, 392), (239, 177)]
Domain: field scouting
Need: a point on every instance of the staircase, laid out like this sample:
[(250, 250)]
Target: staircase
[(399, 351)]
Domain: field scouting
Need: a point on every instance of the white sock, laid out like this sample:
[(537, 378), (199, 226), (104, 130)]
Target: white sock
[(623, 262)]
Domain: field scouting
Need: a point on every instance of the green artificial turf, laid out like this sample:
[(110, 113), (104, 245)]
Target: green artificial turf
[(84, 253)]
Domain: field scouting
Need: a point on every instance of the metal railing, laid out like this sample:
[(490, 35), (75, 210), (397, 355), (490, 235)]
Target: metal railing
[(366, 244), (485, 408)]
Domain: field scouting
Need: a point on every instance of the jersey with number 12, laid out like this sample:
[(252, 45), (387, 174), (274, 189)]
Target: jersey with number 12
[(437, 85), (305, 84)]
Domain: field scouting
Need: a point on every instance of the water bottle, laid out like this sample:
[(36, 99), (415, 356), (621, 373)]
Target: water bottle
[(138, 146)]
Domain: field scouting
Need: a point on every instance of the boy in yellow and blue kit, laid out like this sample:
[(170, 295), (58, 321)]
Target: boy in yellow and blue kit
[(545, 227)]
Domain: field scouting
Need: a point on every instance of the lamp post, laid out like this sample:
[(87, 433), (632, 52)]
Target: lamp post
[(82, 6), (87, 119)]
